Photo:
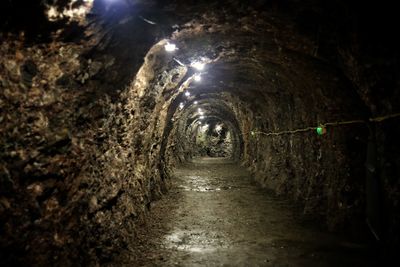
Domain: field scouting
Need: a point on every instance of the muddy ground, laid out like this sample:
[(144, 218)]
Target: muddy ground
[(216, 215)]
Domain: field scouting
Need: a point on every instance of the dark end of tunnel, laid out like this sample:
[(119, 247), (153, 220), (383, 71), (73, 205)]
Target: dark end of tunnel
[(95, 114)]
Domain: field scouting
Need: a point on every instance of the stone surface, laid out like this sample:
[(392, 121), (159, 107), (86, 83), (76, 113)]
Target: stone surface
[(216, 215), (91, 123)]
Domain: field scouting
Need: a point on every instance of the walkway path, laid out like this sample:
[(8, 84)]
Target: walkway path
[(216, 215)]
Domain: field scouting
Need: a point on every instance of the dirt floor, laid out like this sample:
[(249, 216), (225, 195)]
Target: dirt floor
[(216, 215)]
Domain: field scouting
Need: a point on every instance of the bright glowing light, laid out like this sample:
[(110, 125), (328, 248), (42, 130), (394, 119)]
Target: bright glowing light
[(198, 65), (195, 102), (187, 93), (204, 128), (201, 112), (52, 14), (178, 61), (197, 77), (199, 122), (181, 105), (199, 109), (201, 117), (70, 12), (321, 130), (170, 47)]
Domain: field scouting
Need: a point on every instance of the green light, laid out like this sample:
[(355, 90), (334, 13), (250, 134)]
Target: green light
[(321, 130)]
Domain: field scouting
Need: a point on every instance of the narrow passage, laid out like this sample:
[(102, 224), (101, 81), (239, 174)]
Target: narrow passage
[(216, 215)]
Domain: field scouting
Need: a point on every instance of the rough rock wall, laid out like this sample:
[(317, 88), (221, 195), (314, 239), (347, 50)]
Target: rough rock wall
[(80, 160), (321, 172), (79, 168), (215, 135), (299, 73), (130, 166), (79, 163), (45, 144), (282, 88), (374, 73), (209, 142)]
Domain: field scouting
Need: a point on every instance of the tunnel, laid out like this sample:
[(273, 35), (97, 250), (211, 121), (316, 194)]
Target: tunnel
[(199, 133)]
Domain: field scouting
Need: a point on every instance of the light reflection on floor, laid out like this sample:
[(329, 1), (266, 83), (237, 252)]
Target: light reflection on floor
[(194, 241)]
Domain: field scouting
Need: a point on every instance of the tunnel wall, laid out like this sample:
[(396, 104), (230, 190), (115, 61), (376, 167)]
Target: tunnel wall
[(80, 163), (80, 136), (305, 83), (46, 147), (350, 75), (79, 167), (322, 174)]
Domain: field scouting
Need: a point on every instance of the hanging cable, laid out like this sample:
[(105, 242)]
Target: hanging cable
[(338, 123)]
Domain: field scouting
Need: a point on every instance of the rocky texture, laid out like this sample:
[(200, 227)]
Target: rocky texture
[(213, 141), (91, 117), (280, 84), (70, 191), (78, 171), (44, 140)]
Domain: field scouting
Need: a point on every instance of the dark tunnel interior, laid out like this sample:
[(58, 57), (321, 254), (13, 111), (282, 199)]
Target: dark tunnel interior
[(121, 119)]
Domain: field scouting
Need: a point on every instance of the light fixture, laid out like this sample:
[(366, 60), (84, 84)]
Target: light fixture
[(170, 47), (197, 77), (187, 93), (198, 65), (321, 130), (177, 61), (204, 128)]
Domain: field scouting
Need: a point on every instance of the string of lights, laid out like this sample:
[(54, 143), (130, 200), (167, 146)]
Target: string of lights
[(198, 65), (321, 128)]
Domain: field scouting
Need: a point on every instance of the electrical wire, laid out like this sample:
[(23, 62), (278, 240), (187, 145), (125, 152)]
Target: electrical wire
[(332, 124)]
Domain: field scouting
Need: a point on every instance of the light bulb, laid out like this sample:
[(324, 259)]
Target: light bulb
[(198, 65), (170, 47)]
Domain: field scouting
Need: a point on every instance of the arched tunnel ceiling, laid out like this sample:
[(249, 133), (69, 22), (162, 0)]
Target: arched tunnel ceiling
[(209, 106), (99, 127), (268, 44), (239, 65), (259, 64)]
